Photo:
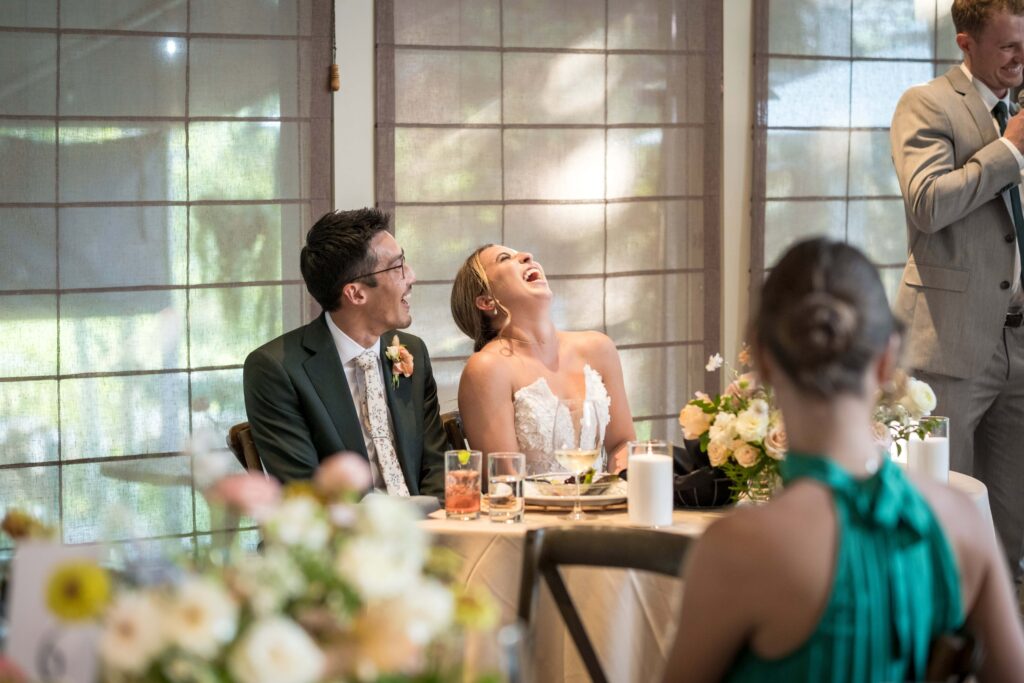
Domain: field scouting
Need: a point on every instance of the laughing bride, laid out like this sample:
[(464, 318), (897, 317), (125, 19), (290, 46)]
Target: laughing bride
[(522, 365)]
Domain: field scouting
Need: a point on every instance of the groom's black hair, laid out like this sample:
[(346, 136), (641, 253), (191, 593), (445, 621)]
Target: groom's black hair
[(338, 252)]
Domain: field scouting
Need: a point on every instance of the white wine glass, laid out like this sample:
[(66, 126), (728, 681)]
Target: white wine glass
[(576, 438)]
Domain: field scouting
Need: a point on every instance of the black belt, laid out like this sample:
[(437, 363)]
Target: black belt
[(1014, 320)]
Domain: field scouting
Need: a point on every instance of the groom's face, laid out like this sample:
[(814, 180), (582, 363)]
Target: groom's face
[(389, 301)]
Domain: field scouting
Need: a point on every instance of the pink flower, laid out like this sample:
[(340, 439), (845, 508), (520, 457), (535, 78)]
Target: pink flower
[(404, 363), (742, 386), (776, 443), (251, 494), (343, 472)]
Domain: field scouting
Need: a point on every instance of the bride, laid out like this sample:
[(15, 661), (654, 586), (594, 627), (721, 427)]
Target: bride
[(522, 365)]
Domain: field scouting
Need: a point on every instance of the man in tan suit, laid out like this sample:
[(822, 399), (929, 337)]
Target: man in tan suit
[(961, 293)]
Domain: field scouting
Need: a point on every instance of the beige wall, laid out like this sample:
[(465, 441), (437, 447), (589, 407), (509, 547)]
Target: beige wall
[(353, 141)]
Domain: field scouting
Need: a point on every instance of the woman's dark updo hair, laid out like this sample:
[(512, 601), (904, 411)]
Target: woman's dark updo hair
[(824, 316)]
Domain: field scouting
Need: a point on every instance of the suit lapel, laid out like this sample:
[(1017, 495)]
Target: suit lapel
[(972, 100), (403, 414), (324, 370)]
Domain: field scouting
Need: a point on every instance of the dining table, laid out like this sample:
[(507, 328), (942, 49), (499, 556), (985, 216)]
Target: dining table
[(630, 616)]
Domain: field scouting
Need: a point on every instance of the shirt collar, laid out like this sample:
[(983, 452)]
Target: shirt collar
[(987, 96), (348, 349)]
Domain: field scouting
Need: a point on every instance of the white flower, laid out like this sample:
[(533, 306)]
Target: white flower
[(132, 633), (919, 399), (201, 617), (746, 455), (714, 362), (723, 429), (300, 521), (752, 424), (267, 580), (276, 650), (379, 567)]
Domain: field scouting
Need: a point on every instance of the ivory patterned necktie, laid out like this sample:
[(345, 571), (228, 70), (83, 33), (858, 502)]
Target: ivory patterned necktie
[(1002, 117), (377, 411)]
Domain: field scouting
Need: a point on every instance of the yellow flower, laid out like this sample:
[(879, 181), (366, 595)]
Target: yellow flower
[(475, 608), (77, 590)]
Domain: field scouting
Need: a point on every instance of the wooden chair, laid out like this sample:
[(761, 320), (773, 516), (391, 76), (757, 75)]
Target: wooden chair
[(452, 424), (545, 550), (241, 444), (953, 658)]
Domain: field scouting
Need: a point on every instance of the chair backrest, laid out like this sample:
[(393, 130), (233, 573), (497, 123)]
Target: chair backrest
[(953, 658), (452, 424), (545, 550), (241, 444)]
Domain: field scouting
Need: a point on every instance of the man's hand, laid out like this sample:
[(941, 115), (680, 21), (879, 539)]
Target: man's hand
[(1015, 130)]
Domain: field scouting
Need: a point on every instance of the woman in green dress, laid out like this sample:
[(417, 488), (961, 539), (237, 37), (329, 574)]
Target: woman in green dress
[(851, 571)]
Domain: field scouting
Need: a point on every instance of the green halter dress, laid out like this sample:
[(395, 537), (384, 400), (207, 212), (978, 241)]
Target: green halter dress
[(896, 584)]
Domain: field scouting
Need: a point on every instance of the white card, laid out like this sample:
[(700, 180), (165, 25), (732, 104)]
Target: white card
[(42, 646)]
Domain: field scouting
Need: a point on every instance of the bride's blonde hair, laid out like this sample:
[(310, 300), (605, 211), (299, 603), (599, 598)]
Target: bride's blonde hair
[(470, 282)]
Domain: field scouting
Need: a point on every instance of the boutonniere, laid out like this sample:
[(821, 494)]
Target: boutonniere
[(401, 360)]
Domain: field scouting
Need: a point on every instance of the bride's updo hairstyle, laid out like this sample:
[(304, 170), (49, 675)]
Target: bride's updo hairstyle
[(470, 282), (823, 317)]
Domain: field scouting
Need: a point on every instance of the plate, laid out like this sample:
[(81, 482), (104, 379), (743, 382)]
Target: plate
[(615, 493)]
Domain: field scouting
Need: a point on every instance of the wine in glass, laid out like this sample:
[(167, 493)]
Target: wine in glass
[(576, 437)]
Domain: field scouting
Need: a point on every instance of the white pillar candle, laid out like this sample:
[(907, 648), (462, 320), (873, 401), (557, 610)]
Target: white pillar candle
[(930, 457), (649, 490)]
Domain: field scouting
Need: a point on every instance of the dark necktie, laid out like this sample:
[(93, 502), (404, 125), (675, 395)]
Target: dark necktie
[(1018, 216)]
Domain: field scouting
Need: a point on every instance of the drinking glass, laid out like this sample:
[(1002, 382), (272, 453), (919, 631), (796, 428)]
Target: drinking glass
[(576, 438), (505, 473), (462, 484)]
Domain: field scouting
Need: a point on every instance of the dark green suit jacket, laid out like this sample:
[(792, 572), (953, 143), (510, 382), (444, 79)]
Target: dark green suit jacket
[(301, 410)]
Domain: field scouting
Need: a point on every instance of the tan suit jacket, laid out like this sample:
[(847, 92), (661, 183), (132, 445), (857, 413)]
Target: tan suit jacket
[(952, 169)]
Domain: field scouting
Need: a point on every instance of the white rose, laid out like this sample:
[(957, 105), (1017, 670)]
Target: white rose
[(299, 521), (276, 650), (919, 399), (378, 567), (718, 453), (202, 617), (752, 425), (722, 428), (392, 518), (746, 455), (694, 421), (132, 633)]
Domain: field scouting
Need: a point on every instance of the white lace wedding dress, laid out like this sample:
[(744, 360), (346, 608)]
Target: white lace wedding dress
[(534, 407)]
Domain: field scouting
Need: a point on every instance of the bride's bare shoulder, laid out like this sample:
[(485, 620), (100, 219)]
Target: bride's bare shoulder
[(487, 364), (589, 343)]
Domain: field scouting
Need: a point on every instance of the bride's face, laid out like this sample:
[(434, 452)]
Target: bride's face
[(513, 274)]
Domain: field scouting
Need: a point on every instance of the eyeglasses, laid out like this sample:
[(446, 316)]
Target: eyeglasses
[(400, 264)]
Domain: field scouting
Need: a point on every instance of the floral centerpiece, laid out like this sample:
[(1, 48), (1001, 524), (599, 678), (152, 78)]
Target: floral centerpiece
[(743, 434), (904, 408), (740, 430), (340, 591)]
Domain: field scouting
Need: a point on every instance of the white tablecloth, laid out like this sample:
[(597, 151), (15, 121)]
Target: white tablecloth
[(630, 616)]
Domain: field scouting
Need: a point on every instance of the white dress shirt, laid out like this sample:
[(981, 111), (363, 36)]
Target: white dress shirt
[(348, 351), (990, 100)]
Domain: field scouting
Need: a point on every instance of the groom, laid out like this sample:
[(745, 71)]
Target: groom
[(339, 383)]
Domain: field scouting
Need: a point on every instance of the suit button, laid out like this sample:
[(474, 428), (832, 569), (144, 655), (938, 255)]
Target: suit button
[(1005, 284), (1008, 237)]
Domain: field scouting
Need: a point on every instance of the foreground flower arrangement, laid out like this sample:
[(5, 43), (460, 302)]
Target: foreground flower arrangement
[(340, 591), (743, 434)]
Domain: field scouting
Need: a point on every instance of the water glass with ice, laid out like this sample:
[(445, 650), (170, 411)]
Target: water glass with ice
[(505, 474)]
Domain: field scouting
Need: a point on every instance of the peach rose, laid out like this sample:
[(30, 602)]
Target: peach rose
[(343, 472), (718, 453), (776, 443), (694, 421), (251, 494), (746, 455)]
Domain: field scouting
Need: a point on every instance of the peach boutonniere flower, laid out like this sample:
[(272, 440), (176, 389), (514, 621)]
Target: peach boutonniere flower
[(401, 360)]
